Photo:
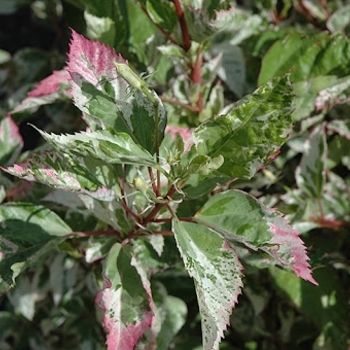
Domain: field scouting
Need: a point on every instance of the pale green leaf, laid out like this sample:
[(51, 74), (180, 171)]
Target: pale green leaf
[(340, 19), (237, 216), (311, 173), (251, 132), (240, 218), (100, 28), (27, 232), (216, 270)]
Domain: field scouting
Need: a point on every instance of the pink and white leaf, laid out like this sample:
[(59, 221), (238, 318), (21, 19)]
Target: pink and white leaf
[(126, 317), (92, 62), (288, 249), (51, 89), (11, 141)]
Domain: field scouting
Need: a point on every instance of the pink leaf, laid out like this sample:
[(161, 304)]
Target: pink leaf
[(291, 250), (120, 336), (51, 84), (91, 59)]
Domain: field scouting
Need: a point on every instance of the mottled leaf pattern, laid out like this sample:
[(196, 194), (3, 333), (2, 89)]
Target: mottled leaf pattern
[(217, 273), (238, 217), (251, 132)]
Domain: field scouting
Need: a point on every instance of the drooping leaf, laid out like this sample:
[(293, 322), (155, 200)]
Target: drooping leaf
[(124, 300), (251, 132), (217, 273), (11, 141), (240, 218), (310, 175), (27, 232)]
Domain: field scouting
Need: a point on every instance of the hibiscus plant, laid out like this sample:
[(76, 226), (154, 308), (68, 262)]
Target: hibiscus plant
[(158, 180)]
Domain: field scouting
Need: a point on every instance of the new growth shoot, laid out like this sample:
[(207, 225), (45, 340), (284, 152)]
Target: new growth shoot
[(137, 83)]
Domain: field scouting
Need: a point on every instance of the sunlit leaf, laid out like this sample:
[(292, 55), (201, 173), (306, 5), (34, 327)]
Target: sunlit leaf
[(251, 132)]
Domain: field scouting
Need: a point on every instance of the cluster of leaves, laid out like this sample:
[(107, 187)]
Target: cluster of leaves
[(164, 179)]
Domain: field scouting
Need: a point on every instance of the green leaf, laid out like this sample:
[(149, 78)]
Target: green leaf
[(325, 304), (251, 132), (215, 267), (237, 216), (311, 173), (27, 232), (124, 300), (163, 13), (170, 317), (135, 114), (308, 56)]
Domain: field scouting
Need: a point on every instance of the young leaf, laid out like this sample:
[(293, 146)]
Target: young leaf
[(124, 300), (27, 232), (311, 173), (100, 92), (238, 217), (217, 272), (251, 132), (11, 141)]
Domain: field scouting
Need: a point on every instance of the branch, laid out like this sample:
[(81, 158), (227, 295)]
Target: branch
[(184, 30)]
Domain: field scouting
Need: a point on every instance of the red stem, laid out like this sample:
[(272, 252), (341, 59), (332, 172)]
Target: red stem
[(184, 30), (181, 104)]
